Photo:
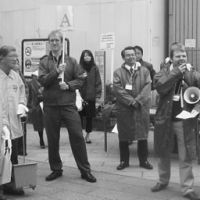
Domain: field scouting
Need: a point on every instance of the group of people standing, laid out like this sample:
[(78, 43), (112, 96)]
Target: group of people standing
[(50, 101), (132, 87), (54, 99)]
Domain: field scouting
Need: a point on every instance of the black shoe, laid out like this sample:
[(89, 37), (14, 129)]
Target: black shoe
[(146, 165), (13, 191), (88, 141), (158, 187), (42, 144), (89, 177), (20, 153), (192, 196), (54, 175), (122, 165)]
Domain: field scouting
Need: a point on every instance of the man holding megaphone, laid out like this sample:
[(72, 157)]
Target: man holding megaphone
[(171, 82)]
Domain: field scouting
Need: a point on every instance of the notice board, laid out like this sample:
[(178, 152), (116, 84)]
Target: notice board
[(32, 51)]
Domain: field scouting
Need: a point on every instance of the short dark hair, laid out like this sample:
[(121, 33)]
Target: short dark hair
[(54, 32), (5, 50), (176, 47), (138, 48), (126, 48)]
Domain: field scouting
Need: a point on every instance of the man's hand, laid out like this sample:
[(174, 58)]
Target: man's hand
[(61, 68), (64, 86), (182, 67), (194, 112), (135, 105), (22, 110)]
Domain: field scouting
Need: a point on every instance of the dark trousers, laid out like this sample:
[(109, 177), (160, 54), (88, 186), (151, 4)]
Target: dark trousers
[(22, 141), (142, 151), (53, 116), (14, 154), (88, 123)]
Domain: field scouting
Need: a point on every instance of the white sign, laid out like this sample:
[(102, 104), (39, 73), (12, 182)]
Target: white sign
[(107, 41), (65, 18), (33, 50), (191, 43)]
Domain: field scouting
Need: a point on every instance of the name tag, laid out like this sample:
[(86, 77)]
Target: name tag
[(176, 97), (128, 87)]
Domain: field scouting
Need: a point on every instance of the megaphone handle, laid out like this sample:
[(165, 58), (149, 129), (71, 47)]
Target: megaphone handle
[(181, 96)]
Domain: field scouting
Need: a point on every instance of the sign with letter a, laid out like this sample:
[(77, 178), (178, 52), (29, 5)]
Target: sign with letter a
[(65, 17)]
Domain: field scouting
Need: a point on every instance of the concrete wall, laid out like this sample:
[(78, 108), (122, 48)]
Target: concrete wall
[(134, 22)]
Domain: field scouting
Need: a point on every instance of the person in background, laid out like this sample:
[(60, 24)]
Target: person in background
[(132, 88), (3, 127), (90, 91), (35, 103), (60, 80), (170, 83), (22, 140), (139, 58), (14, 92), (168, 60)]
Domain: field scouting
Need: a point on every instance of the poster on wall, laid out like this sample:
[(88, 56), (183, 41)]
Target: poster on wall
[(32, 51), (100, 60)]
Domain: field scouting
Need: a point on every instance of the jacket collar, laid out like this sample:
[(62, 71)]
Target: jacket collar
[(134, 67), (4, 75)]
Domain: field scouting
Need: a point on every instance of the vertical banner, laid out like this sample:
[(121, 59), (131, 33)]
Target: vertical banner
[(107, 42), (100, 60)]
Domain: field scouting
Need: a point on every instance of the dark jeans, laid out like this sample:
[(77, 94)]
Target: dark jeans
[(142, 151), (53, 116)]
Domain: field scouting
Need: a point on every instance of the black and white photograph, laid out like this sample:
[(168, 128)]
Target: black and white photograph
[(99, 99)]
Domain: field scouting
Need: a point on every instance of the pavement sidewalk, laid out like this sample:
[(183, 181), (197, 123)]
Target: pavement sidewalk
[(132, 183)]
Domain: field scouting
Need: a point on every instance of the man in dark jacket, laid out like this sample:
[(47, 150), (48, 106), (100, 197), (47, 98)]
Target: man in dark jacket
[(132, 87), (60, 80), (170, 83), (149, 66)]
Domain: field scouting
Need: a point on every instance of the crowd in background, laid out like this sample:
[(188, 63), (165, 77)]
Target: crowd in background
[(49, 101)]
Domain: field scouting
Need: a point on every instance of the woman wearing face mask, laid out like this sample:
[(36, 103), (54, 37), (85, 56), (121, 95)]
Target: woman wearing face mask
[(90, 91)]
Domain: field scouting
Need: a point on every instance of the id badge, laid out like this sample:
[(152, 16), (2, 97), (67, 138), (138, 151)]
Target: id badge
[(128, 87), (176, 97)]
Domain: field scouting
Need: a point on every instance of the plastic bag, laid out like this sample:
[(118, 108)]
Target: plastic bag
[(5, 162), (79, 101)]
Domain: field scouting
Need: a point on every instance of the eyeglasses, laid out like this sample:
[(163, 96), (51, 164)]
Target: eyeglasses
[(54, 40), (12, 57)]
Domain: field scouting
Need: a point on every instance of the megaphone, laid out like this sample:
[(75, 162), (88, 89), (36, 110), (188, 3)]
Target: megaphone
[(192, 95)]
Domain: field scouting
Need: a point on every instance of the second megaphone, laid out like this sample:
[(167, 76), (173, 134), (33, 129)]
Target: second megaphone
[(192, 95)]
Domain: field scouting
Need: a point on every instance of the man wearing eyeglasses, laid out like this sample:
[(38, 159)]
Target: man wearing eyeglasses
[(13, 91), (59, 107)]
